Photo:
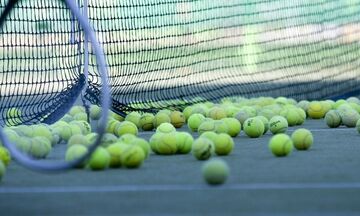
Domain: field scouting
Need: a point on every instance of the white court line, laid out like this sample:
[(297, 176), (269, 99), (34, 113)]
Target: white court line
[(159, 188)]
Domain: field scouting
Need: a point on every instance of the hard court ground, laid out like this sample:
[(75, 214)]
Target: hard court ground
[(322, 181)]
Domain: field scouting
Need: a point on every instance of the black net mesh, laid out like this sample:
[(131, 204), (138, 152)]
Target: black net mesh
[(164, 53), (40, 62)]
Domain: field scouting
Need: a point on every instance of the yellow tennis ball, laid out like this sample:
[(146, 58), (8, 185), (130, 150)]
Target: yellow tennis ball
[(202, 148), (23, 144), (165, 128), (215, 171), (265, 121), (146, 122), (217, 113), (292, 116), (241, 116), (95, 112), (187, 112), (349, 117), (333, 119), (161, 117), (80, 117), (177, 119), (233, 125), (115, 151), (42, 131), (132, 157), (184, 142), (194, 121), (166, 144), (5, 156), (154, 140), (127, 138), (76, 109), (83, 125), (224, 144), (40, 147), (100, 159), (278, 124), (281, 145), (221, 126), (209, 135), (254, 127), (126, 127), (302, 139), (134, 117), (315, 110), (75, 152), (116, 116)]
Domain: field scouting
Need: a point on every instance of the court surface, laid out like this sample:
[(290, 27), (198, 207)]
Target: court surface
[(322, 181)]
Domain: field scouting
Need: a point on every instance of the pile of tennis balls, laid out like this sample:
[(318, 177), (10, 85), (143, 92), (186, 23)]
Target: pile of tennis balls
[(213, 127)]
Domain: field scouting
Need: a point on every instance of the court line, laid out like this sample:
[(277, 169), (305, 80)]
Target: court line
[(193, 187)]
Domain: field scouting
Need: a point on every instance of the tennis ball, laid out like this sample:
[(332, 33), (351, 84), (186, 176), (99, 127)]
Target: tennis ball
[(80, 117), (315, 110), (100, 159), (40, 147), (143, 144), (78, 139), (215, 171), (206, 126), (194, 121), (127, 138), (326, 106), (115, 151), (166, 144), (202, 148), (281, 145), (302, 116), (146, 122), (161, 117), (125, 127), (333, 119), (10, 134), (265, 121), (111, 125), (184, 142), (233, 125), (278, 124), (83, 125), (5, 156), (75, 152), (13, 116), (220, 126), (108, 139), (223, 144), (254, 127), (302, 139), (198, 109), (349, 117), (134, 117), (217, 113), (291, 115), (339, 103), (165, 128), (177, 119), (76, 109), (95, 112), (43, 131), (132, 157)]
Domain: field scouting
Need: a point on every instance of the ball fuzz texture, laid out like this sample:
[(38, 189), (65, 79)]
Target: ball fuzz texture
[(281, 145), (333, 119), (302, 139), (202, 148), (132, 157), (100, 159), (254, 127), (215, 171)]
